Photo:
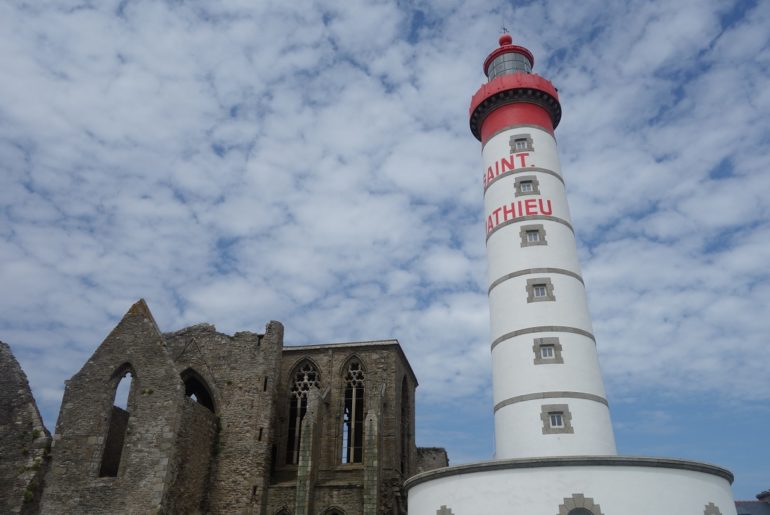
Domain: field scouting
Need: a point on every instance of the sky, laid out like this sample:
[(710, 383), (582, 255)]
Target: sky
[(236, 162)]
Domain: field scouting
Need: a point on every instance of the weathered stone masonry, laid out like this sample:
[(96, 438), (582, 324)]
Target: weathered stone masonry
[(24, 441), (207, 427)]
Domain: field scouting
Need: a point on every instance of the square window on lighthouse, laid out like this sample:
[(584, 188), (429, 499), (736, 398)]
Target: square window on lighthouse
[(521, 143), (527, 185), (556, 419), (532, 235), (547, 351), (539, 290)]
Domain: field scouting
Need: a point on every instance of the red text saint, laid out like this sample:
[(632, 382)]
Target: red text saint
[(505, 164)]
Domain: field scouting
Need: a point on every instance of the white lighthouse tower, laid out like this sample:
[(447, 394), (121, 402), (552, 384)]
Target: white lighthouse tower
[(548, 391), (555, 448)]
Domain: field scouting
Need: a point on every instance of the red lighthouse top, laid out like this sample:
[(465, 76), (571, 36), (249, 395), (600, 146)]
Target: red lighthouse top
[(527, 97)]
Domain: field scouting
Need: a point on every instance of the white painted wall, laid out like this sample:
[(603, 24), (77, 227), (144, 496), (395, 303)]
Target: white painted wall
[(545, 154), (518, 426), (510, 311), (580, 369), (504, 251), (618, 490), (517, 437)]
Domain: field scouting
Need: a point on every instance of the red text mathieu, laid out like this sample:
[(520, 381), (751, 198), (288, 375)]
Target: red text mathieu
[(505, 164), (518, 209)]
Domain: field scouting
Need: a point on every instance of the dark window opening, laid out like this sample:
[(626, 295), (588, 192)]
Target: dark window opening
[(118, 425), (195, 388), (580, 511), (353, 414), (305, 377)]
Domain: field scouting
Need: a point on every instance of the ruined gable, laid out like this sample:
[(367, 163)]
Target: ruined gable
[(24, 441), (106, 460)]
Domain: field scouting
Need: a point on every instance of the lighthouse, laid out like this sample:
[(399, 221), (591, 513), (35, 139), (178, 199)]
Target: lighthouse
[(549, 398), (555, 449)]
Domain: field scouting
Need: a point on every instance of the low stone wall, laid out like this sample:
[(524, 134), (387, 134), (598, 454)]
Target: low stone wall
[(431, 458)]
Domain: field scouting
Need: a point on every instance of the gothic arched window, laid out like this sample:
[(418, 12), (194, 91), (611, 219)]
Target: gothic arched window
[(353, 414), (195, 387), (123, 398), (304, 378)]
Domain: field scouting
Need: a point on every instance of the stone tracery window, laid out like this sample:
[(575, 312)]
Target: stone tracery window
[(353, 413), (304, 378)]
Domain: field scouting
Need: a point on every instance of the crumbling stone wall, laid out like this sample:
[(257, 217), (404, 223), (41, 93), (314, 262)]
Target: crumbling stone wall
[(195, 447), (155, 408), (240, 373), (226, 453), (177, 457), (430, 458), (24, 441)]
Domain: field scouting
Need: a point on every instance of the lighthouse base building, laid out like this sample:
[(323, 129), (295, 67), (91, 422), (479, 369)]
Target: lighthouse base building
[(554, 442), (575, 485)]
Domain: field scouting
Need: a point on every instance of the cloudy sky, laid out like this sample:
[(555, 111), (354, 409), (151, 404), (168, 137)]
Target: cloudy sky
[(235, 162)]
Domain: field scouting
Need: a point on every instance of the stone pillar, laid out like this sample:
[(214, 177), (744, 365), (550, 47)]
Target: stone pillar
[(307, 464), (372, 446)]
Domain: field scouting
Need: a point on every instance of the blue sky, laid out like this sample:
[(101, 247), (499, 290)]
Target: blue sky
[(310, 162)]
